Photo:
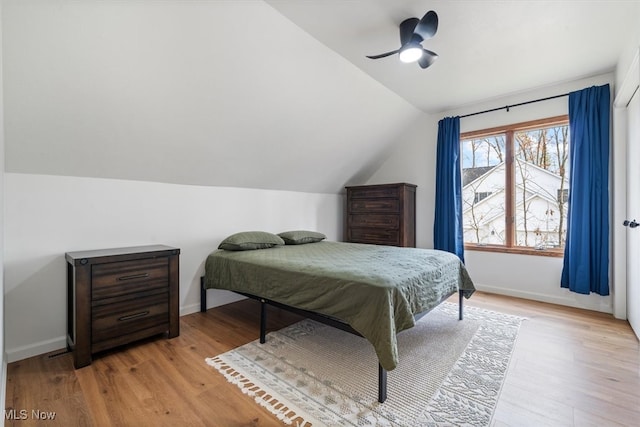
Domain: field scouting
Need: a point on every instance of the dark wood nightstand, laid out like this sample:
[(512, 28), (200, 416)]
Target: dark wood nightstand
[(116, 296)]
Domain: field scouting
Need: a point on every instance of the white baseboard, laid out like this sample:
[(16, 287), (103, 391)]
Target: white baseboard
[(42, 347), (36, 349), (189, 309), (552, 299), (221, 298)]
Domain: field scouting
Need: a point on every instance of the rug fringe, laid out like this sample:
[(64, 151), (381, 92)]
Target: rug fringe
[(261, 397)]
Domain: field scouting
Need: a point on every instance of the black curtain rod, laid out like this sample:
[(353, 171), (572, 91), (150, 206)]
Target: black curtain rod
[(506, 107)]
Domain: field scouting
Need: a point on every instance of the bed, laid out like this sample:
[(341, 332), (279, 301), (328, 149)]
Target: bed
[(370, 290)]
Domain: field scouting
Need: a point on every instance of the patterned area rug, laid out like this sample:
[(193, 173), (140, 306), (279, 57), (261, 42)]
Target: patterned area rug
[(309, 374)]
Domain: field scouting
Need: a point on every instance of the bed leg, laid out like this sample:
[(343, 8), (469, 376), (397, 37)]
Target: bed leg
[(460, 305), (263, 321), (203, 296), (382, 384)]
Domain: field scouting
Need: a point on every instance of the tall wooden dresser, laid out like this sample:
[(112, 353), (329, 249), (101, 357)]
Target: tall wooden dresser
[(382, 214)]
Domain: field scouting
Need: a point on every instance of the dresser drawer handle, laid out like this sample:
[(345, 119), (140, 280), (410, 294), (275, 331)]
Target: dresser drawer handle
[(133, 316), (134, 276)]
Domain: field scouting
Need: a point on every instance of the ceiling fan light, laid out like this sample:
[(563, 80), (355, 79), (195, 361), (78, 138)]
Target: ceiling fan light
[(411, 53)]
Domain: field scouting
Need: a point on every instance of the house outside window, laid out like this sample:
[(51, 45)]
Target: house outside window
[(516, 186)]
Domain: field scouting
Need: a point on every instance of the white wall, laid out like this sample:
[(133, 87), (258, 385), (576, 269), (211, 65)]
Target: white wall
[(414, 162), (47, 216), (627, 86), (627, 77), (534, 277), (629, 54)]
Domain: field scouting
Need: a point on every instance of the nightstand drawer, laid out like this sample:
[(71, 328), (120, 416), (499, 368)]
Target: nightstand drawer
[(118, 278), (115, 320)]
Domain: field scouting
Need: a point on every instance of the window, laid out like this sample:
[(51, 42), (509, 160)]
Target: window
[(515, 187), (563, 195), (481, 196)]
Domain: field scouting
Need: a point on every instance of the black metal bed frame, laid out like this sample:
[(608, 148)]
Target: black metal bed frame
[(382, 373)]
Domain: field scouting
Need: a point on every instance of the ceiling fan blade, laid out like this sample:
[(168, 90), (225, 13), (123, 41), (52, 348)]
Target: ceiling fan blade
[(383, 55), (427, 26), (427, 58), (407, 28)]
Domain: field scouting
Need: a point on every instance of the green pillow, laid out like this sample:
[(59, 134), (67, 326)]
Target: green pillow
[(249, 240), (300, 237)]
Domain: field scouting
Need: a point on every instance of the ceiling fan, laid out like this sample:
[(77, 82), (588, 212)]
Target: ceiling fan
[(413, 32)]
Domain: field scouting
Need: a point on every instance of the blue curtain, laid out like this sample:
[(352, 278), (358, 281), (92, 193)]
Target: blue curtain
[(447, 228), (586, 252)]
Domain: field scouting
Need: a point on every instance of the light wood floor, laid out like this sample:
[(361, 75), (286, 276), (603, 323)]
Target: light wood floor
[(569, 368)]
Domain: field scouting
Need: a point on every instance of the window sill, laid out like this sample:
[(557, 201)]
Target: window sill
[(556, 253)]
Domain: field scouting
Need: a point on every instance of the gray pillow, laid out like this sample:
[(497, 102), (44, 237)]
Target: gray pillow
[(249, 240), (300, 237)]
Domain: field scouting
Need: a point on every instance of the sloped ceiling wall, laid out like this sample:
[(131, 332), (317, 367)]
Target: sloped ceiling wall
[(222, 93)]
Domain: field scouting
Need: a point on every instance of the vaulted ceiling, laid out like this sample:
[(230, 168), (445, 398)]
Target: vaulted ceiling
[(273, 94), (487, 49)]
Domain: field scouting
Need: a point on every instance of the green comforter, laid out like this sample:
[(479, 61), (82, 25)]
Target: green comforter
[(375, 289)]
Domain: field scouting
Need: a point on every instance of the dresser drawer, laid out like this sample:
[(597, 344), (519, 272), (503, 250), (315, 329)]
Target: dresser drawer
[(374, 205), (382, 221), (125, 277), (374, 236), (373, 192), (115, 320)]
